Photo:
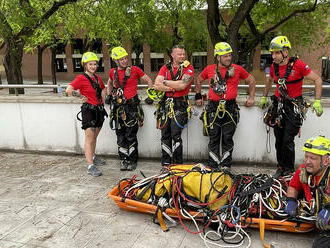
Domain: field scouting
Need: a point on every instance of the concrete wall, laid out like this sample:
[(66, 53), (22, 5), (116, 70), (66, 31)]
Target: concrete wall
[(27, 123)]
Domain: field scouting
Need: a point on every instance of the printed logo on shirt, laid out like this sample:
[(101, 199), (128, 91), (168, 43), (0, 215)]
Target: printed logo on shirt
[(189, 70), (292, 73), (306, 67)]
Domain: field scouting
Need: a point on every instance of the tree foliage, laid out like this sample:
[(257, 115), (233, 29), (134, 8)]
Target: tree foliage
[(19, 20), (253, 22)]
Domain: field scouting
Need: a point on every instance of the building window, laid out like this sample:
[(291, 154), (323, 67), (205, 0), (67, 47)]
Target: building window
[(76, 61), (156, 63), (199, 60), (60, 64), (60, 60), (101, 65), (138, 61), (265, 61)]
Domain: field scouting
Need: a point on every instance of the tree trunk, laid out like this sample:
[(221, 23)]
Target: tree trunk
[(40, 78), (249, 60), (233, 41), (53, 67), (213, 21), (13, 63)]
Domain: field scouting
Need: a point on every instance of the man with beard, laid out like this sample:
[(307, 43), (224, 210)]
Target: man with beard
[(221, 114), (126, 113), (312, 179)]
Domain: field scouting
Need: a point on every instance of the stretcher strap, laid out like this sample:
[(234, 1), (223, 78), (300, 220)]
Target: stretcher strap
[(161, 220), (262, 233)]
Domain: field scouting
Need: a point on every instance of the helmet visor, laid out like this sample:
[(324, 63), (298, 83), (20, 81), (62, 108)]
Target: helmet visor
[(275, 46), (321, 148), (227, 49)]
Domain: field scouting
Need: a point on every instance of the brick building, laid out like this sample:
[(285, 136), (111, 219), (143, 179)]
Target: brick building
[(68, 61)]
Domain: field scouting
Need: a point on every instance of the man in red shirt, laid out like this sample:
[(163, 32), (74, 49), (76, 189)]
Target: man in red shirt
[(174, 78), (92, 90), (126, 113), (312, 178), (221, 114), (288, 106)]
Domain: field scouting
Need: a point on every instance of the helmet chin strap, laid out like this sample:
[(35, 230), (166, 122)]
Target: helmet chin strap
[(284, 57)]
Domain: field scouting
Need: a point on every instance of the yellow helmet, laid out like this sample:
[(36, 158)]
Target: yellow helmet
[(222, 48), (278, 43), (319, 145), (87, 57), (118, 53)]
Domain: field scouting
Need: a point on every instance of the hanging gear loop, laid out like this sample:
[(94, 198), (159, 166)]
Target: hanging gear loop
[(295, 109)]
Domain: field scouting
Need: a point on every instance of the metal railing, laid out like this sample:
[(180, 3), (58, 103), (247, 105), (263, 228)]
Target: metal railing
[(140, 86)]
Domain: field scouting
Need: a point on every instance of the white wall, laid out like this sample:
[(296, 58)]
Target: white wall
[(52, 126)]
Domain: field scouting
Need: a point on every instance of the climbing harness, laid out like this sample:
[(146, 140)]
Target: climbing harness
[(87, 106), (122, 111), (128, 114), (274, 114), (169, 107), (219, 86)]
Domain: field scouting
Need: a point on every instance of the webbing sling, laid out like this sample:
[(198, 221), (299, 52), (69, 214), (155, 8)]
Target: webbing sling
[(178, 72), (126, 77), (96, 87), (223, 81), (289, 67)]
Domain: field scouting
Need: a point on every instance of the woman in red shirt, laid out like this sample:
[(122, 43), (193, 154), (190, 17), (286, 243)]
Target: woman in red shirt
[(92, 92)]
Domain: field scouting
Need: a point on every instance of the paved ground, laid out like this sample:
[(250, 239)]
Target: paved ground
[(50, 201)]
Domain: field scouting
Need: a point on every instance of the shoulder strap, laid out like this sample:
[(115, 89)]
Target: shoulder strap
[(178, 73), (126, 77), (96, 87), (289, 67), (325, 177)]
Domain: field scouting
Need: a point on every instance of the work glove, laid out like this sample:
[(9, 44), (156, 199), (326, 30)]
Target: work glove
[(108, 99), (291, 207), (148, 101), (323, 218), (317, 106), (263, 103)]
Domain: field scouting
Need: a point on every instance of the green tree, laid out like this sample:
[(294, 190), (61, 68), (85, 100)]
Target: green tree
[(19, 20), (253, 21)]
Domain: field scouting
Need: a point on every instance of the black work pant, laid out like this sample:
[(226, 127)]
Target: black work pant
[(171, 141), (322, 241), (284, 144), (223, 129), (127, 143), (126, 131)]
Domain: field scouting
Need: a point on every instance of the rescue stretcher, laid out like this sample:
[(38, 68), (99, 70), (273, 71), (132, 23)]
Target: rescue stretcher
[(216, 201), (269, 224)]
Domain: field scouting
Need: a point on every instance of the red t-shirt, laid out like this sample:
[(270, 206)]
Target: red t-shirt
[(85, 88), (232, 82), (130, 88), (299, 70), (295, 183), (189, 70)]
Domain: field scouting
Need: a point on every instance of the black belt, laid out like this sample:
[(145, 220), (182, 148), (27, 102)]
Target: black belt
[(133, 100), (179, 98), (216, 103)]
